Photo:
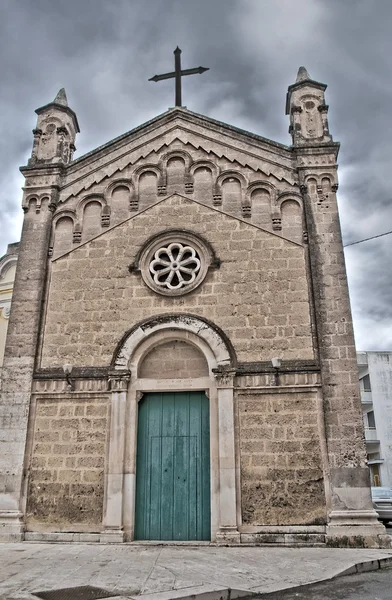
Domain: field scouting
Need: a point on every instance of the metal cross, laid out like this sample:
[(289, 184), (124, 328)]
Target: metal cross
[(177, 73)]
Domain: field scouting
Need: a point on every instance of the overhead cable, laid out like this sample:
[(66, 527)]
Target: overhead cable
[(367, 239)]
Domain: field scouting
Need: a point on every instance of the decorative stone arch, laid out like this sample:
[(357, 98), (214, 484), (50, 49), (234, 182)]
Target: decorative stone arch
[(67, 212), (187, 158), (97, 197), (29, 201), (327, 175), (38, 200), (320, 186), (64, 213), (265, 185), (123, 182), (291, 197), (311, 184), (317, 178), (93, 197), (235, 174), (214, 170), (206, 330), (146, 168), (207, 164), (294, 196), (127, 390), (312, 178), (259, 185), (331, 177), (228, 175)]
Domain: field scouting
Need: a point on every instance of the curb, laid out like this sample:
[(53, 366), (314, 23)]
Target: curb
[(361, 567), (367, 565), (220, 593), (202, 592)]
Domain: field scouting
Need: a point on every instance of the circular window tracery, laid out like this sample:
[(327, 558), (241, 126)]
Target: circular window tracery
[(175, 266), (174, 263)]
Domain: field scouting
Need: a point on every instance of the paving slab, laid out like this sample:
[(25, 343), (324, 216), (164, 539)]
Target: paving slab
[(173, 572)]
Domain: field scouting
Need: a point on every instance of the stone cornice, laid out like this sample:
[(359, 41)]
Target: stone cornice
[(43, 169), (313, 149), (77, 372), (61, 107), (241, 368), (187, 116), (288, 366)]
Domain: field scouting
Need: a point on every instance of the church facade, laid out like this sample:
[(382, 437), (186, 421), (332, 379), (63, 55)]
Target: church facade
[(180, 361)]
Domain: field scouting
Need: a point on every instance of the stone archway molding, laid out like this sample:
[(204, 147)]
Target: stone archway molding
[(214, 337)]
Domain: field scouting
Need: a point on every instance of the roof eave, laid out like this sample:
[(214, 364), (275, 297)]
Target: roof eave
[(168, 116)]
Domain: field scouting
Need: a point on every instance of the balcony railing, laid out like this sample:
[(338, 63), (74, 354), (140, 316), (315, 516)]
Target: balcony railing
[(371, 434)]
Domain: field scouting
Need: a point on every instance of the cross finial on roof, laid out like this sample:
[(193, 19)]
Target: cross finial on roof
[(178, 73)]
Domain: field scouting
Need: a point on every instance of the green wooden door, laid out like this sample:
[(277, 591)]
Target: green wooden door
[(173, 467)]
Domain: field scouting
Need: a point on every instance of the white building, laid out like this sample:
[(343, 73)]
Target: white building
[(375, 377)]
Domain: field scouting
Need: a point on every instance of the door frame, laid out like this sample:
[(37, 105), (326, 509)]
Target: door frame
[(127, 390), (209, 418)]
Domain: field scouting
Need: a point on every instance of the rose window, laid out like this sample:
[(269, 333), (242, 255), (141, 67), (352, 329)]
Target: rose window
[(175, 266), (174, 263)]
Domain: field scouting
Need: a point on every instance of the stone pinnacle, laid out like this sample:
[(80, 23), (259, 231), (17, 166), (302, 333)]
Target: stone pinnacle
[(61, 98), (302, 74)]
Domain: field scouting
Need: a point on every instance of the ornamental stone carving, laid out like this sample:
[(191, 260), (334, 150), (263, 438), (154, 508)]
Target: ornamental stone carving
[(175, 263), (118, 382), (5, 311), (175, 266)]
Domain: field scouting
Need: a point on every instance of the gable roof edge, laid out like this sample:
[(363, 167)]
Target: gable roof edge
[(189, 116)]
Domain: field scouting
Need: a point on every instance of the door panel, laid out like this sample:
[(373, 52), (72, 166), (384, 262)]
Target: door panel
[(173, 467)]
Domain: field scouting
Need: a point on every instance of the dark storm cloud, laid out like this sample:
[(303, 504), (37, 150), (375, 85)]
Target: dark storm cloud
[(103, 53)]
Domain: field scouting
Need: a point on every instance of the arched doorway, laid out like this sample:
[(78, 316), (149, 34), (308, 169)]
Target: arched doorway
[(184, 360)]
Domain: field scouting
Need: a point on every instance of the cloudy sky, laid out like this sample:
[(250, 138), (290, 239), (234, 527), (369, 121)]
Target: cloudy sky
[(104, 51)]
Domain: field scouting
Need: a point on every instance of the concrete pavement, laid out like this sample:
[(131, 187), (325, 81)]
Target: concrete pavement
[(362, 586), (181, 571)]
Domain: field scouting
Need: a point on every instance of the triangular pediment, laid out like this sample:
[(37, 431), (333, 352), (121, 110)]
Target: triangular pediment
[(179, 128)]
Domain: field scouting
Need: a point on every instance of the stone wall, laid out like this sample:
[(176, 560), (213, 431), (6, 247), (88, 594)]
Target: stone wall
[(67, 463), (281, 467), (19, 361), (258, 296), (174, 360)]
